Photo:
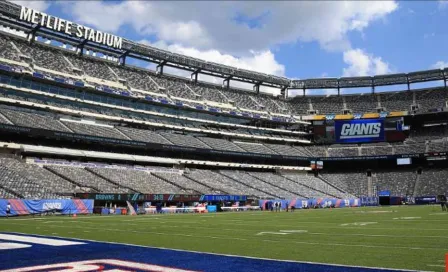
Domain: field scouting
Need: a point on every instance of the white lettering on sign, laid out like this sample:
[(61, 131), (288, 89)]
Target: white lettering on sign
[(64, 26), (52, 206), (98, 265), (354, 131)]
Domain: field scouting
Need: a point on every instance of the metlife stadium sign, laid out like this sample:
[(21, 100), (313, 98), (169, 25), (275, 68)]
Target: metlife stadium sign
[(359, 131), (60, 25)]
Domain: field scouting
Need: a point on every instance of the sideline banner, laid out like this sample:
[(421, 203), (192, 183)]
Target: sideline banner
[(311, 203), (63, 206)]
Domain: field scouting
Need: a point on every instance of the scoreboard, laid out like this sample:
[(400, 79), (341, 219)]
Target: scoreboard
[(359, 131)]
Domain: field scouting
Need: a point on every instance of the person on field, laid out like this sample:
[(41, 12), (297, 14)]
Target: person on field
[(443, 203), (8, 209)]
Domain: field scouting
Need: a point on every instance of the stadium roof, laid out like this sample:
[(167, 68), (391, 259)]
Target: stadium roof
[(12, 17)]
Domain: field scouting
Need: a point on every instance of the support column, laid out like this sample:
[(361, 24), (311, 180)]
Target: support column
[(257, 88), (226, 83), (81, 47), (122, 58), (194, 76), (284, 92), (30, 37), (32, 34), (159, 68)]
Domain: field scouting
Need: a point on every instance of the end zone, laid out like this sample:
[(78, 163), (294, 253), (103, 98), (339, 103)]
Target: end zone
[(73, 255)]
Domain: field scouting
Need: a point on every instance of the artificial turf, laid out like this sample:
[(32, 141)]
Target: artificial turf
[(403, 237)]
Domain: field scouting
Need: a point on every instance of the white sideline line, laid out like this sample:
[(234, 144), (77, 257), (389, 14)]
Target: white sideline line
[(39, 241), (230, 255)]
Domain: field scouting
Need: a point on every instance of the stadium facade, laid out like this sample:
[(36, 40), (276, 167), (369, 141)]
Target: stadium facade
[(76, 118)]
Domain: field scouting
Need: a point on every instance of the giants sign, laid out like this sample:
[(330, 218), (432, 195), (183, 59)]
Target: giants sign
[(352, 131)]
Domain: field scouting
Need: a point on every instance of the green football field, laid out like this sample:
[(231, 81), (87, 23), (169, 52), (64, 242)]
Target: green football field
[(392, 237)]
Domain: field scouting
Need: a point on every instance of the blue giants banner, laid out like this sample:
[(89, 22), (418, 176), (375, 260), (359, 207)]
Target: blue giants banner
[(384, 193), (420, 200), (356, 131), (369, 201), (63, 206), (311, 203)]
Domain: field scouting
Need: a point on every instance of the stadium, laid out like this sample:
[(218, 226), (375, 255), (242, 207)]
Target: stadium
[(107, 166)]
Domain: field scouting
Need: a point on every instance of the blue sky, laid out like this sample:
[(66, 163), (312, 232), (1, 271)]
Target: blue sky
[(292, 39)]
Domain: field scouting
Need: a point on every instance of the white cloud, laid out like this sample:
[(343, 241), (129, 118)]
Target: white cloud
[(443, 4), (37, 5), (210, 24), (362, 64), (440, 65), (263, 62), (208, 30)]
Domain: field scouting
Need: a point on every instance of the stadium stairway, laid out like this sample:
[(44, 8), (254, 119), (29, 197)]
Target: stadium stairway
[(332, 185), (416, 185), (309, 187), (66, 127), (3, 117), (95, 190), (265, 181), (248, 185), (131, 190), (172, 183)]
